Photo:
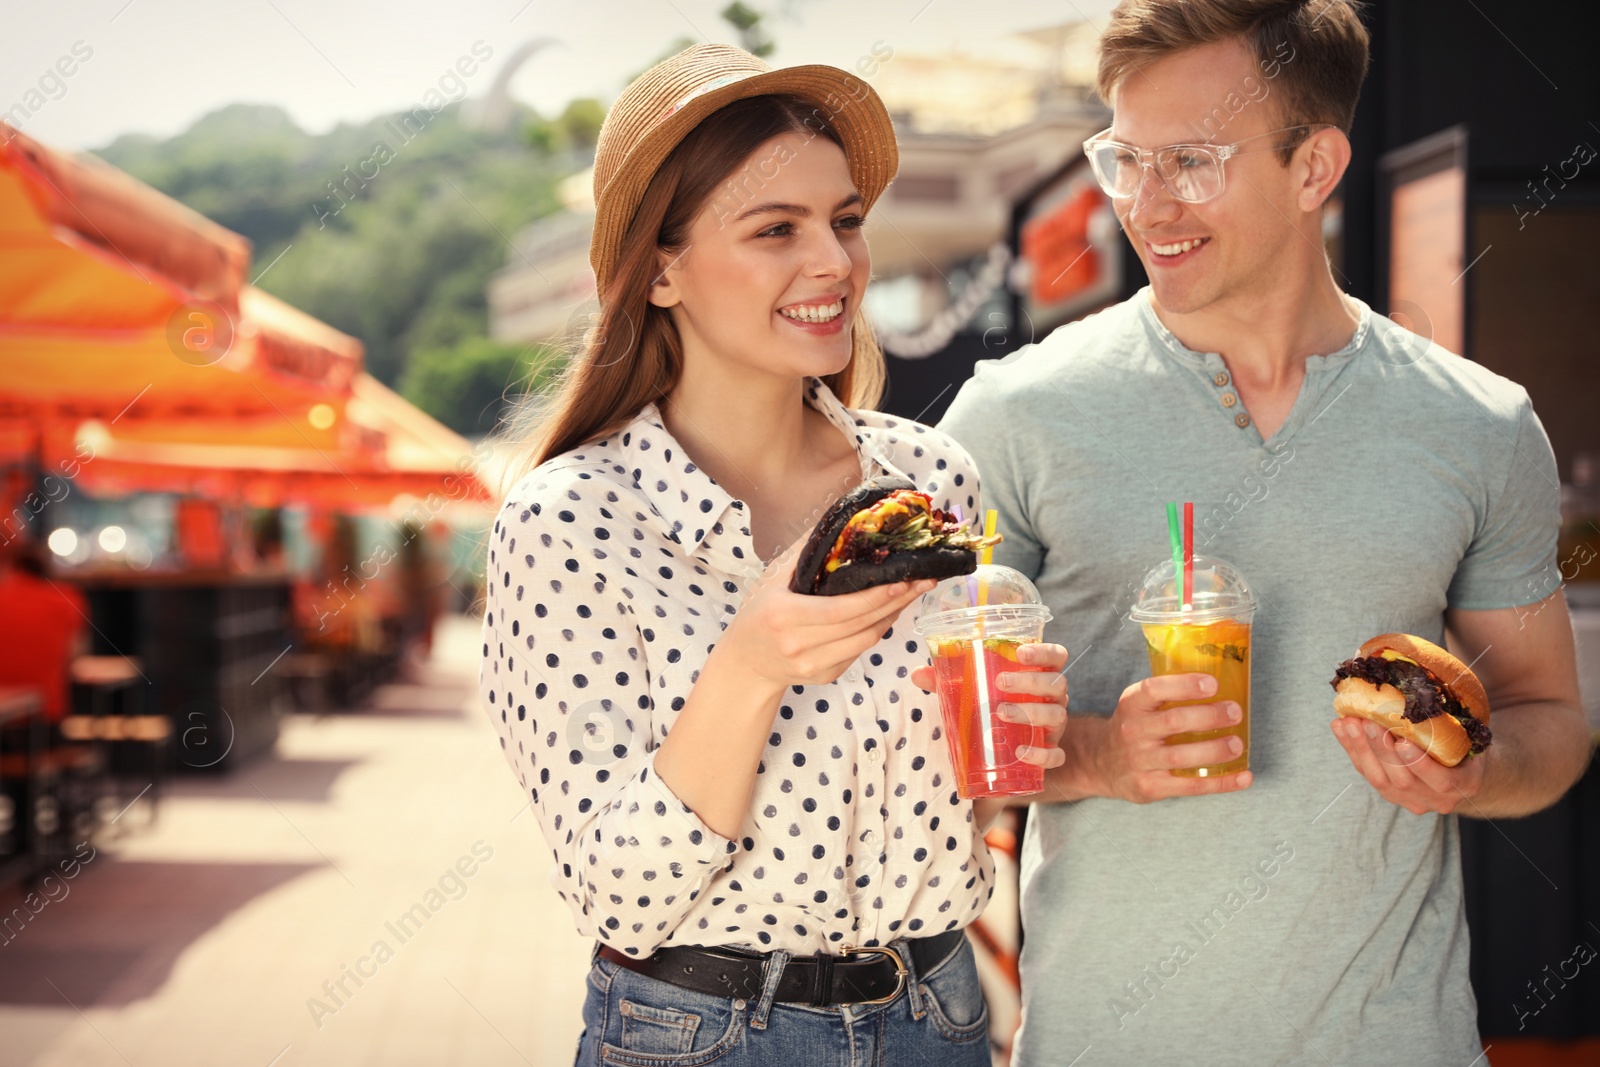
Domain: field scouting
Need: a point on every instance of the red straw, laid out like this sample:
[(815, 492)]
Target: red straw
[(1188, 553)]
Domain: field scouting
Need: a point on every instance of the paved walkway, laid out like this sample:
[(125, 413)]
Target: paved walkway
[(369, 895)]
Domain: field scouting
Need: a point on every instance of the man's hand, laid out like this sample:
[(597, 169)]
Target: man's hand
[(1129, 756), (1045, 680), (1404, 774), (1051, 716), (1524, 658)]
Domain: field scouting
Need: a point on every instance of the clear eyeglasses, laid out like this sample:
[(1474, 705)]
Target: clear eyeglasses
[(1192, 173)]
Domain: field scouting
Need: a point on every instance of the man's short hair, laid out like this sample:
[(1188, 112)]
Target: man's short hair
[(1314, 51)]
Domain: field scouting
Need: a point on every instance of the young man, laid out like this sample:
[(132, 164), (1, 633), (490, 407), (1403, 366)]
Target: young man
[(1308, 910)]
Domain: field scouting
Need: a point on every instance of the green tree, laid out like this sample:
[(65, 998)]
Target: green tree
[(581, 120), (753, 37), (388, 230), (576, 129), (470, 386)]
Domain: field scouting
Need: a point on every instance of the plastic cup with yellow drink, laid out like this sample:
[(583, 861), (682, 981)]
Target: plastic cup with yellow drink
[(1208, 634)]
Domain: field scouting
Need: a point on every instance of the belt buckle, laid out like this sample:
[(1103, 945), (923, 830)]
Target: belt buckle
[(901, 972)]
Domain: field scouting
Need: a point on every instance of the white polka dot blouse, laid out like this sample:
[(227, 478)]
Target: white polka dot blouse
[(612, 570)]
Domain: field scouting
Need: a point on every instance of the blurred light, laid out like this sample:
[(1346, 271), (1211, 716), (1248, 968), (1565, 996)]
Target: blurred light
[(63, 540), (321, 416), (113, 538), (94, 433), (139, 555)]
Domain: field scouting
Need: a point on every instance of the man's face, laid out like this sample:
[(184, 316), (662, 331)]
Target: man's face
[(1242, 241)]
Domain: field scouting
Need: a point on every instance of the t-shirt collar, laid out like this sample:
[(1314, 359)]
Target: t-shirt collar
[(1206, 362)]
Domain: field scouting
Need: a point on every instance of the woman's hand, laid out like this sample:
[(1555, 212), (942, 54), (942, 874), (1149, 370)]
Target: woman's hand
[(1049, 683), (777, 639), (790, 638)]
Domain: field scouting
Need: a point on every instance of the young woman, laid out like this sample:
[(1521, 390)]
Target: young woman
[(748, 802)]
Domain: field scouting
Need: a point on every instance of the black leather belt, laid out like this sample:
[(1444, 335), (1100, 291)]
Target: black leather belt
[(860, 976)]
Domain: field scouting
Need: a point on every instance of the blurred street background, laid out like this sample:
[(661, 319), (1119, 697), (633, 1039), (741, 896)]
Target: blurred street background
[(201, 937), (272, 277)]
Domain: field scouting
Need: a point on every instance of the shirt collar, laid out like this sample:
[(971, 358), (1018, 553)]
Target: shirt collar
[(697, 511), (1208, 361)]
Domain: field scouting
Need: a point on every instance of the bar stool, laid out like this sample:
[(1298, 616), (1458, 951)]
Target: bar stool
[(123, 737), (22, 726), (309, 676)]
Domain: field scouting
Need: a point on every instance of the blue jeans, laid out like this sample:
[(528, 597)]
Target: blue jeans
[(939, 1020)]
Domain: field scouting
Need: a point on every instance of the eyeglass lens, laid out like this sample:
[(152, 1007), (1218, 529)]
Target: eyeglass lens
[(1190, 173)]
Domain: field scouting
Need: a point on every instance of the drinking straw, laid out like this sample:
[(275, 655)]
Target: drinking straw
[(990, 518), (980, 674), (1188, 553), (1175, 535)]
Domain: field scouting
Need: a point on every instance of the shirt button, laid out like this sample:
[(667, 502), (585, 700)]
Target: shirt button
[(1221, 378), (869, 838), (874, 755), (1228, 400), (1241, 420), (853, 674)]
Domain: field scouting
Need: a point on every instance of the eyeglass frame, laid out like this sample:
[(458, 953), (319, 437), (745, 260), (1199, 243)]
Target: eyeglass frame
[(1220, 152)]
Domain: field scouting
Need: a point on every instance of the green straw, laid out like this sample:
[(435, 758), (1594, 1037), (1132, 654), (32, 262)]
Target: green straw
[(1176, 535)]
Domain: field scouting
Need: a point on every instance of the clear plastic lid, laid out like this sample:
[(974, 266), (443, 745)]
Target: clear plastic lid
[(1220, 592), (994, 592)]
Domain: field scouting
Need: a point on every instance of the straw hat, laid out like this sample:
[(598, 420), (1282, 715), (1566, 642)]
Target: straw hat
[(664, 103)]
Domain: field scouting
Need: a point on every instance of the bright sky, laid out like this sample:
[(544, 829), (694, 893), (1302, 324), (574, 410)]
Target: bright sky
[(154, 66)]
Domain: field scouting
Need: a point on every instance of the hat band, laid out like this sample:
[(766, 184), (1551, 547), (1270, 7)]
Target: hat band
[(710, 86)]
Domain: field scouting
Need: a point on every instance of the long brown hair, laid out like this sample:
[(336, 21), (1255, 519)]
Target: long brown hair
[(633, 356)]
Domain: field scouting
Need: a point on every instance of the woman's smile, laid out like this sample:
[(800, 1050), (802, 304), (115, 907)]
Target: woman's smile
[(821, 316)]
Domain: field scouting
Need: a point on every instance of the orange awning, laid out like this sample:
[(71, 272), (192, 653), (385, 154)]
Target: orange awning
[(133, 357), (357, 453), (269, 478), (109, 374), (110, 290), (84, 217)]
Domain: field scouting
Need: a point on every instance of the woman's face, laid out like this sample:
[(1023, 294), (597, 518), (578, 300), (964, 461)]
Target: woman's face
[(775, 264)]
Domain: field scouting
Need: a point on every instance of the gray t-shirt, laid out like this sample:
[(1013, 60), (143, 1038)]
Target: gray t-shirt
[(1305, 920)]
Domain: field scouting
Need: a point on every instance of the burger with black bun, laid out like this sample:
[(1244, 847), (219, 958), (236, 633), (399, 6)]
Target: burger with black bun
[(1419, 692), (884, 531)]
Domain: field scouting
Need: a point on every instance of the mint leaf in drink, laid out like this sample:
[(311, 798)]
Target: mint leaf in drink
[(1004, 647)]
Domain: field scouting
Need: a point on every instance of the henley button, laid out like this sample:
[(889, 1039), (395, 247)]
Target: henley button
[(1228, 400), (1241, 420), (1221, 378)]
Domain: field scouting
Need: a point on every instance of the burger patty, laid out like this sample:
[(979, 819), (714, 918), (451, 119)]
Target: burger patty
[(861, 544), (1425, 696)]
